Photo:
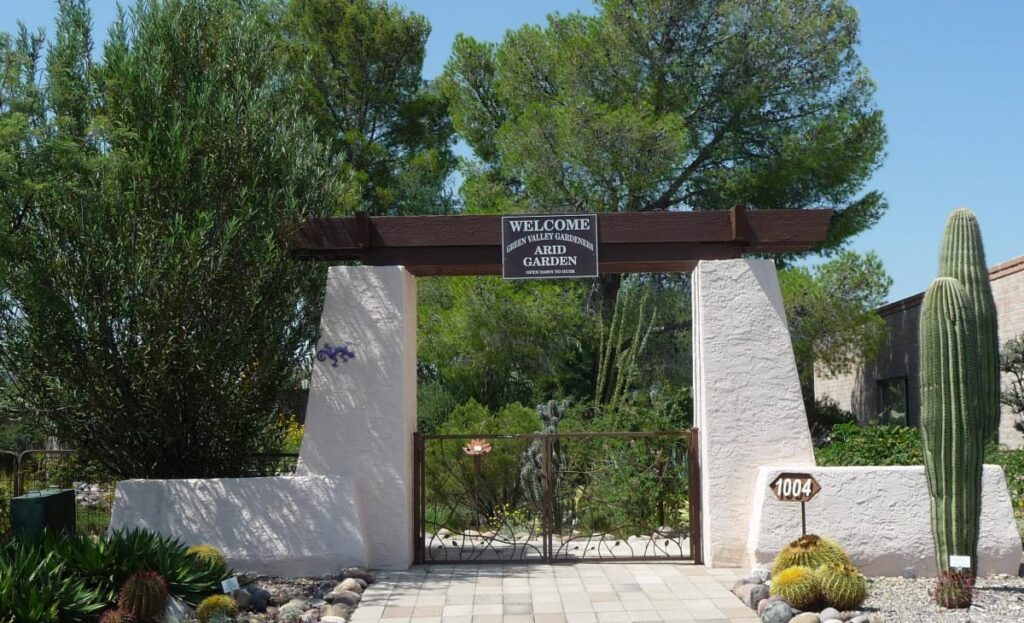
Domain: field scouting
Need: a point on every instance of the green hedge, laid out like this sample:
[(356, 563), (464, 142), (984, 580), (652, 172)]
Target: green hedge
[(852, 444)]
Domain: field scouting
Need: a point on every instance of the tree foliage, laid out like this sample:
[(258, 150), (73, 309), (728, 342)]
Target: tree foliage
[(1011, 364), (149, 311), (357, 65), (831, 313), (661, 104)]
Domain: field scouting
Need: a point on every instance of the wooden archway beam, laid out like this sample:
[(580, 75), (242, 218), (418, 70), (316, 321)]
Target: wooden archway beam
[(629, 241)]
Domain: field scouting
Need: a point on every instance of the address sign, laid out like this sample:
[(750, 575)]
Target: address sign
[(795, 487)]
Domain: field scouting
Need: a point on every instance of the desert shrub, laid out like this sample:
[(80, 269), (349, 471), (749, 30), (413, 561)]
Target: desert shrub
[(463, 496), (851, 444), (1012, 462), (825, 414), (293, 433)]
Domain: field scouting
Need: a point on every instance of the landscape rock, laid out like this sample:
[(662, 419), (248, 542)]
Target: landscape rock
[(349, 584), (298, 602), (760, 572), (332, 619), (360, 573), (778, 612), (290, 613), (362, 582), (176, 610), (310, 616), (764, 603), (832, 621), (345, 597), (830, 613), (259, 599), (336, 610), (751, 579), (242, 598), (806, 617), (751, 594)]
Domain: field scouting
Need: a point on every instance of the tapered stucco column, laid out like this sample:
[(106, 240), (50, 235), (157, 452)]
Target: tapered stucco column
[(747, 401), (361, 413)]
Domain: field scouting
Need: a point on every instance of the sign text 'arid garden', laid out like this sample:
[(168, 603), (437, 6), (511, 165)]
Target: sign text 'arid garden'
[(549, 247)]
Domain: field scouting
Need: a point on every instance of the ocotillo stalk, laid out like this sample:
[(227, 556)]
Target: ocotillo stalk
[(950, 419), (962, 257)]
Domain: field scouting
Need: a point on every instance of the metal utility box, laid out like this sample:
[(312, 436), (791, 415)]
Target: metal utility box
[(49, 509)]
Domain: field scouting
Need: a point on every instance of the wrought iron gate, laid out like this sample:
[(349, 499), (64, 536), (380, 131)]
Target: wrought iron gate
[(551, 497)]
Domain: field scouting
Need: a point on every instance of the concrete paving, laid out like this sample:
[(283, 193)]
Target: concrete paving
[(566, 593)]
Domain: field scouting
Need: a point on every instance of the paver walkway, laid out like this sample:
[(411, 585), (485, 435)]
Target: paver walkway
[(571, 593)]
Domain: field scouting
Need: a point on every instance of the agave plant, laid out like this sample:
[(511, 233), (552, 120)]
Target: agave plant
[(37, 586)]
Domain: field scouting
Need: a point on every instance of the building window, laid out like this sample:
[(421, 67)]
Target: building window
[(892, 401)]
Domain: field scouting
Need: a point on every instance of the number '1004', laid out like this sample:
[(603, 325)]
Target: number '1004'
[(792, 488)]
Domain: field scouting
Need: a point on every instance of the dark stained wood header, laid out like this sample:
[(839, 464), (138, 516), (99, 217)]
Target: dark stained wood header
[(630, 242)]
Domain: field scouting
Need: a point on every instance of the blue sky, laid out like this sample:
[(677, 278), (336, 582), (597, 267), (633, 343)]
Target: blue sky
[(949, 81)]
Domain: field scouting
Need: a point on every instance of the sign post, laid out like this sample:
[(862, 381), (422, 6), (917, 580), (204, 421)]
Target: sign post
[(792, 487), (549, 246)]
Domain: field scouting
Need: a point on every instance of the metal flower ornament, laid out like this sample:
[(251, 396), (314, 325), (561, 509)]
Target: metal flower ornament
[(341, 352), (477, 447)]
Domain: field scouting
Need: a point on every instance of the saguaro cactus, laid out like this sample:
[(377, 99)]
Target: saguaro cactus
[(950, 413), (962, 257)]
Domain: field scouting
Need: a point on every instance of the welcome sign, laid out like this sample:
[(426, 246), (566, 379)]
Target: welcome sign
[(549, 246)]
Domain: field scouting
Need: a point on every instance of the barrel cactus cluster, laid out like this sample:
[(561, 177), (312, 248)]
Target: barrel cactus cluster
[(814, 572), (959, 388)]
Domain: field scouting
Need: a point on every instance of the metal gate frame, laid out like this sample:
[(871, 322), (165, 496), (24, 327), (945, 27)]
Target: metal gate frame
[(420, 496)]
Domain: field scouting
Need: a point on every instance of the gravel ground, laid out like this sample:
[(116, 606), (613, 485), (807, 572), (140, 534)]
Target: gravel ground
[(998, 599)]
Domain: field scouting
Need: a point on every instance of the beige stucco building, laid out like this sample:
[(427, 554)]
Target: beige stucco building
[(887, 388)]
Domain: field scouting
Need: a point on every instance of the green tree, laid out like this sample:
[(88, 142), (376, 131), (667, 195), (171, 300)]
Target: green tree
[(357, 65), (662, 104), (149, 310), (831, 312), (498, 342)]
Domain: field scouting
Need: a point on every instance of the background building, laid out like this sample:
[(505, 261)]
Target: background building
[(886, 389)]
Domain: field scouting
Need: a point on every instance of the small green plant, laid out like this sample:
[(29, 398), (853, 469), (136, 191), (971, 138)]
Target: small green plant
[(810, 551), (841, 585), (216, 606), (209, 555), (797, 585), (954, 589), (144, 596)]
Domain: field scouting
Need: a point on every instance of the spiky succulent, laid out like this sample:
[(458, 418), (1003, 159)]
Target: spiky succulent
[(216, 606), (144, 596), (797, 585), (209, 555), (116, 616), (810, 551), (841, 585)]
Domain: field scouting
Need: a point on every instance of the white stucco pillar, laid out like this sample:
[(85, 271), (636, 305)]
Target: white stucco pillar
[(361, 414), (747, 401)]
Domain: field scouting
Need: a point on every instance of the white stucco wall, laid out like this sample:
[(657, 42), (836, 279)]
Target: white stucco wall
[(881, 515), (287, 526), (747, 402), (351, 503), (361, 415)]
